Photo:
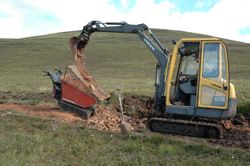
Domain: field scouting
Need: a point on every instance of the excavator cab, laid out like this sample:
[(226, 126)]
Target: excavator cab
[(198, 81)]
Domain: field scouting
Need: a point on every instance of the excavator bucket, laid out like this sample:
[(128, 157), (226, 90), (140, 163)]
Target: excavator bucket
[(78, 42)]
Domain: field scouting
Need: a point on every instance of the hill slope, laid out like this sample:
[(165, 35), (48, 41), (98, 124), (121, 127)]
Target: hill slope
[(116, 61)]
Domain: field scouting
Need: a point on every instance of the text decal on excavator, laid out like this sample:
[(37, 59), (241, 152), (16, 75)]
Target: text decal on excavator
[(149, 45)]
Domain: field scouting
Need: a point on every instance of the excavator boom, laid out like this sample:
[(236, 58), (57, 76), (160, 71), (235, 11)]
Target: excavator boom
[(159, 51)]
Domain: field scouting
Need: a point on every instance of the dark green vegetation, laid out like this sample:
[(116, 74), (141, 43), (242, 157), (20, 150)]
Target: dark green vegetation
[(116, 61), (31, 141), (243, 107)]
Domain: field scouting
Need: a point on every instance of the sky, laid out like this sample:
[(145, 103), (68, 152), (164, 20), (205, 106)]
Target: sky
[(221, 18)]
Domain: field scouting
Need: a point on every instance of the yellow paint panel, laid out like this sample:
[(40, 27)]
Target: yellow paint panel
[(213, 89), (212, 97)]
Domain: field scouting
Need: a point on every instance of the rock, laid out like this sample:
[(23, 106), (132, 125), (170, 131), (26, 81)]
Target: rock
[(141, 125)]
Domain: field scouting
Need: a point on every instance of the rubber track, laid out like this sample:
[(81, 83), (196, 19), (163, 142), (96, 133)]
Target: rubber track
[(184, 127), (83, 112)]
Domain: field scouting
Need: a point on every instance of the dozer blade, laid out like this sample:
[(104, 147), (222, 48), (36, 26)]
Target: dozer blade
[(183, 127)]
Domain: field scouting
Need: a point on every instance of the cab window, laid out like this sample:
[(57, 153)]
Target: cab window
[(189, 65), (211, 61)]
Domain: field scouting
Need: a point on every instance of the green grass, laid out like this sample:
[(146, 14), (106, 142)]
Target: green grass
[(32, 141), (243, 107)]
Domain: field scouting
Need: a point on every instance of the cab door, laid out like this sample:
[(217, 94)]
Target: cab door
[(213, 87)]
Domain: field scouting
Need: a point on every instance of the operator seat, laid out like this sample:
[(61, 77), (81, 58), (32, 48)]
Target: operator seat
[(188, 90)]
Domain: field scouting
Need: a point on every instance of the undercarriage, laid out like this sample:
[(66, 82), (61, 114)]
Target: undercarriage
[(193, 128)]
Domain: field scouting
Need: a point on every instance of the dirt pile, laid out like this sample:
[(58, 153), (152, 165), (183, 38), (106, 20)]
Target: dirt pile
[(234, 138), (108, 119), (139, 107), (238, 135)]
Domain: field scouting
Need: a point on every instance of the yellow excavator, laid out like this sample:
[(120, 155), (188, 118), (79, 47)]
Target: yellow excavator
[(193, 93)]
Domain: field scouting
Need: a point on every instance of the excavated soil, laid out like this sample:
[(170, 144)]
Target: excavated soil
[(238, 135), (106, 117), (136, 111)]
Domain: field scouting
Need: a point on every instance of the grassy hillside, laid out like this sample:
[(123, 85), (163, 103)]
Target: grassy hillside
[(116, 61)]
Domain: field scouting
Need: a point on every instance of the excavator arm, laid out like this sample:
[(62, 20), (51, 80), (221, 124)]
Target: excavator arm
[(159, 51)]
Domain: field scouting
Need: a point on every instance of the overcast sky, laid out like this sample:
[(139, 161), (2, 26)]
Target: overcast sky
[(222, 18)]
